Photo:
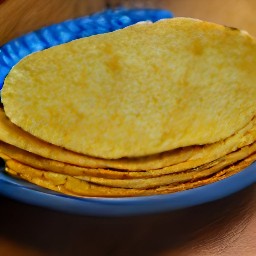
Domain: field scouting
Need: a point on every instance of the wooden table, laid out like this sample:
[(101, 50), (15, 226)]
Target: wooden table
[(224, 227)]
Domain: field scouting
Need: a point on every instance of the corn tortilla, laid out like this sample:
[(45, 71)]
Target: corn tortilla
[(72, 186), (146, 183), (180, 159), (113, 95), (192, 174), (11, 152)]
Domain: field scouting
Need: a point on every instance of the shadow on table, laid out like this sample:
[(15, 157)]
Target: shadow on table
[(172, 233)]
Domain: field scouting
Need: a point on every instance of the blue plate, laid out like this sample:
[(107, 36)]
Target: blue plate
[(26, 192)]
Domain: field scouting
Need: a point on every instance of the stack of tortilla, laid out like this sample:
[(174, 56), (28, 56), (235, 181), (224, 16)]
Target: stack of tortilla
[(150, 109)]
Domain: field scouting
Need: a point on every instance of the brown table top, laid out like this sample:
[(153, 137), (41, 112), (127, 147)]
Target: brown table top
[(223, 227)]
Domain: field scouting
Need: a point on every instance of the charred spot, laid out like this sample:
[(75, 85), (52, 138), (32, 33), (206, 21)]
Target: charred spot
[(232, 28)]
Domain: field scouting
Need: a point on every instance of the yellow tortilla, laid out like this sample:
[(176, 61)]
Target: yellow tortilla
[(73, 186), (114, 95), (106, 176), (178, 160), (11, 152), (193, 174), (147, 183)]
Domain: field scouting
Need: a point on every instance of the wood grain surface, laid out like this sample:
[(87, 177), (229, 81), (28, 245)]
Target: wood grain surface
[(222, 228), (20, 16)]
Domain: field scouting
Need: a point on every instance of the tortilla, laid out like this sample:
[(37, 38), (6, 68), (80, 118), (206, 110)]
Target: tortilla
[(114, 95), (4, 156), (192, 174), (184, 158), (11, 152), (121, 177), (146, 183), (73, 186), (66, 184)]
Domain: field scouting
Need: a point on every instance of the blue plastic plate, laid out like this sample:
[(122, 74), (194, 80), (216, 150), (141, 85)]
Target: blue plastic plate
[(25, 192)]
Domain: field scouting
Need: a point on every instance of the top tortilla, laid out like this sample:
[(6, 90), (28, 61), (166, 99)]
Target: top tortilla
[(138, 91)]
